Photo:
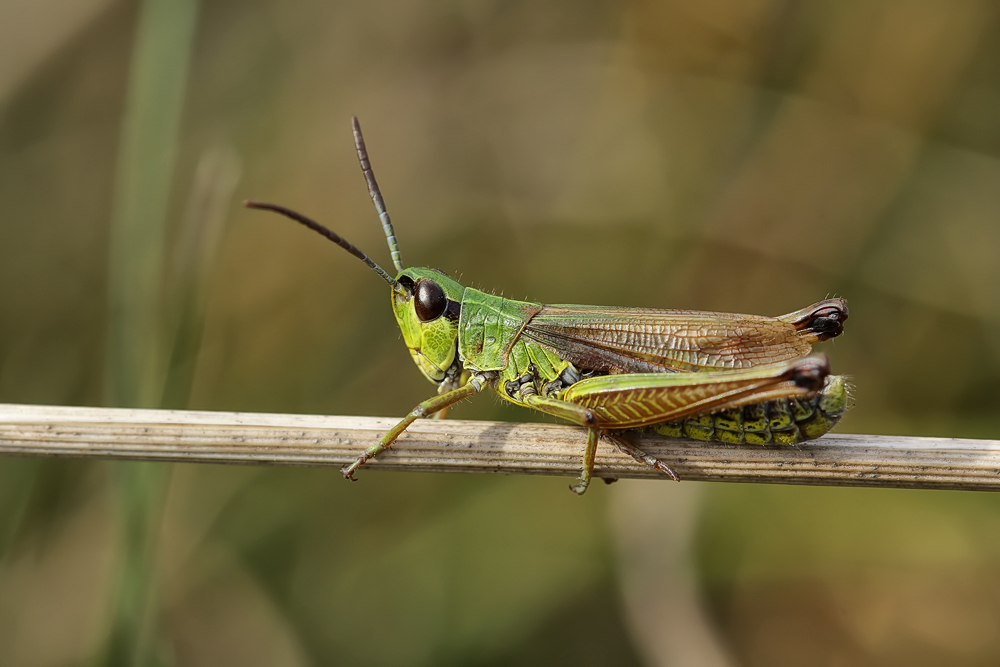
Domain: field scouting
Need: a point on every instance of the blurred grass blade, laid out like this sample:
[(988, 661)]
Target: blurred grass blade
[(17, 482), (145, 168), (653, 528), (132, 640), (194, 258), (135, 357)]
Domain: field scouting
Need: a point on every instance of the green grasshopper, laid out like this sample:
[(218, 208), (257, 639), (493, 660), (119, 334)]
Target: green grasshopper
[(702, 375)]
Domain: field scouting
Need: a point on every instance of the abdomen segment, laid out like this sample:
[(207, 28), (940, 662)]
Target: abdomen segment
[(784, 421)]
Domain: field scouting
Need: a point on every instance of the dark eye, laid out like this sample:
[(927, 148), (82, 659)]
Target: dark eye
[(431, 302)]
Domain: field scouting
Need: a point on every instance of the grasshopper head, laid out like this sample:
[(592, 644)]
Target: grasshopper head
[(427, 310), (426, 302)]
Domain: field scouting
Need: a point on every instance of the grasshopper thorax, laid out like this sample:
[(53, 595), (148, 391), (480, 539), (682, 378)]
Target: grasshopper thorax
[(427, 311)]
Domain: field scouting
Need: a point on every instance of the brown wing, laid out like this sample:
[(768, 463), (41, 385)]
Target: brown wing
[(637, 340)]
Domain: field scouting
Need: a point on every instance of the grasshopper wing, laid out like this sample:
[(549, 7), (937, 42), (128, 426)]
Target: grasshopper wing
[(637, 340)]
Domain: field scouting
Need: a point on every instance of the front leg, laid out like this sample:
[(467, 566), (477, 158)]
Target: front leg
[(432, 405), (455, 378)]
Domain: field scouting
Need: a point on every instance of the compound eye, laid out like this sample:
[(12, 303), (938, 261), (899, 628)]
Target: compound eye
[(430, 301)]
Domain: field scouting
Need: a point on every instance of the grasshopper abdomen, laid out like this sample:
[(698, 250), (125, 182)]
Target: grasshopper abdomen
[(784, 421)]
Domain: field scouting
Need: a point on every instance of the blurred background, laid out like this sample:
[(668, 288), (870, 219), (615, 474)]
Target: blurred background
[(748, 156)]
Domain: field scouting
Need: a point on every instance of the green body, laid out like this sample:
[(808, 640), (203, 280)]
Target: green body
[(489, 335)]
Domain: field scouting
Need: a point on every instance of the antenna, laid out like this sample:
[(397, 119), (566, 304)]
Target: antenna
[(376, 194), (316, 227)]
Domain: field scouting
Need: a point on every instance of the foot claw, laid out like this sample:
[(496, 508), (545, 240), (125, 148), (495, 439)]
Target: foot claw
[(663, 467)]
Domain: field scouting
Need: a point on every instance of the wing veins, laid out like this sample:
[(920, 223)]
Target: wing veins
[(640, 340)]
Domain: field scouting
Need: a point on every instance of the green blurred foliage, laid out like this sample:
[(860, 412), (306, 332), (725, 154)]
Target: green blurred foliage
[(750, 157)]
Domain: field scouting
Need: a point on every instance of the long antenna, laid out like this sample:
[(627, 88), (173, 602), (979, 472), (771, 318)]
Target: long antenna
[(376, 194), (316, 227)]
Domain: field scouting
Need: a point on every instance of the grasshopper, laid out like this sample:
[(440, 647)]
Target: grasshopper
[(703, 375)]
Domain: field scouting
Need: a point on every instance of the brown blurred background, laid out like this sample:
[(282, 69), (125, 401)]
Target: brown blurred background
[(725, 155)]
